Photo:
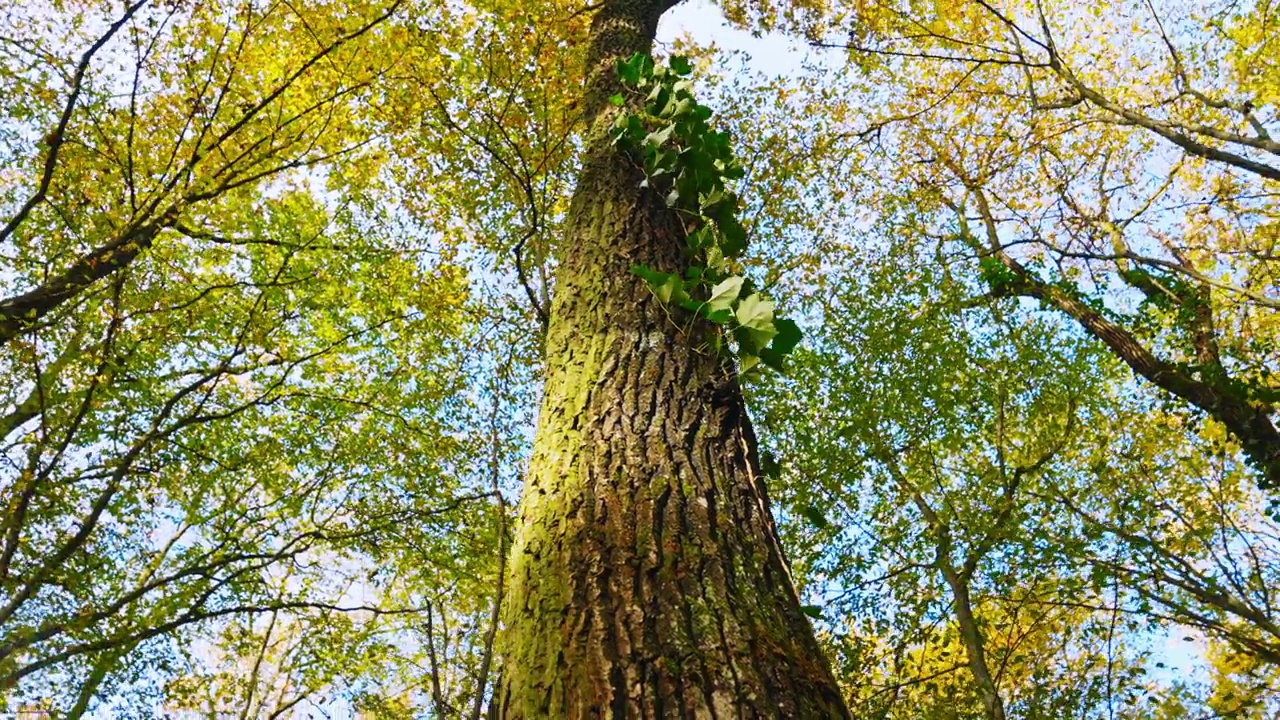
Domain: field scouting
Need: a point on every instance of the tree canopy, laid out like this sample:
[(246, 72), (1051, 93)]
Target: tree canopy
[(400, 359)]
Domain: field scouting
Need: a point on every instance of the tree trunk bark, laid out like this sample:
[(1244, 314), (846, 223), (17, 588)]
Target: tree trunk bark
[(647, 580), (974, 643)]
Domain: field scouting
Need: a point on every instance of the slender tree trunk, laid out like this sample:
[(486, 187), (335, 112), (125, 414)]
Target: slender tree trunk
[(974, 643), (646, 575)]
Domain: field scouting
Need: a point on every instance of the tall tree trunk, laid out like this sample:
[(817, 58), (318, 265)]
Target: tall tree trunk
[(647, 579), (975, 645)]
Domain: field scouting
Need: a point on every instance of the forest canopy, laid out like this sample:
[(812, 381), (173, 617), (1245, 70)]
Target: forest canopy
[(541, 359)]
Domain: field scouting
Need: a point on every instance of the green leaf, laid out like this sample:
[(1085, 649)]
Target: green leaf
[(725, 293), (812, 611), (734, 171), (668, 287), (771, 358), (617, 99), (629, 70), (748, 342), (769, 465), (658, 163), (676, 107), (733, 238), (658, 138), (680, 64), (714, 257), (756, 312), (719, 317), (710, 200), (688, 303), (788, 336), (650, 276), (634, 68), (672, 289), (700, 238), (755, 315), (814, 516)]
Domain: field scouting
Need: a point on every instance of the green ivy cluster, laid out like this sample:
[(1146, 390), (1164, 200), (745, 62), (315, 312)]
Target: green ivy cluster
[(1004, 281), (691, 164)]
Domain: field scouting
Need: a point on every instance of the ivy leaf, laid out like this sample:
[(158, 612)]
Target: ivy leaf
[(733, 171), (725, 293), (668, 287), (772, 358), (814, 516), (711, 199), (629, 70), (617, 99), (756, 312), (635, 68), (700, 238), (769, 465), (688, 303), (733, 237), (789, 335), (658, 138), (653, 277), (719, 317), (755, 315), (680, 64), (812, 611), (748, 342), (676, 107), (659, 163), (671, 289)]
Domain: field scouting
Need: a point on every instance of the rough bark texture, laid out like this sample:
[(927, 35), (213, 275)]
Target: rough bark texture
[(646, 576)]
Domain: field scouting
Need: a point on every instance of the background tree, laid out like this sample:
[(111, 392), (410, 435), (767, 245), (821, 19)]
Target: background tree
[(1113, 162), (949, 583), (229, 401)]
